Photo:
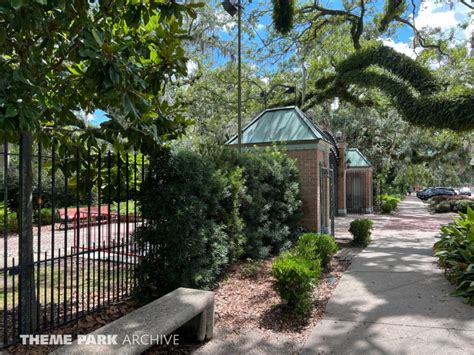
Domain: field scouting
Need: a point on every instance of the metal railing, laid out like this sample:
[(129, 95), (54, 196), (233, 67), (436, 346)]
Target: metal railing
[(84, 251)]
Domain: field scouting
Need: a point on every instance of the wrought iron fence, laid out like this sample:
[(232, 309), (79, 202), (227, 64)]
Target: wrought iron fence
[(357, 201), (85, 213)]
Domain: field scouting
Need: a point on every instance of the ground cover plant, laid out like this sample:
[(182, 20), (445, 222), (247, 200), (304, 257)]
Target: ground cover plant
[(361, 229), (455, 252)]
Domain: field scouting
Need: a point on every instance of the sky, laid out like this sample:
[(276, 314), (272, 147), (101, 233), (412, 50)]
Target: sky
[(430, 14)]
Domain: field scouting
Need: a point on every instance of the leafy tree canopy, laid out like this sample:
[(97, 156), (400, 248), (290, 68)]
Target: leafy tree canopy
[(413, 89), (61, 57)]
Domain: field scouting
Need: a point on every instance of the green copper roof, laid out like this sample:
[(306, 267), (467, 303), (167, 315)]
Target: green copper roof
[(356, 159), (280, 124)]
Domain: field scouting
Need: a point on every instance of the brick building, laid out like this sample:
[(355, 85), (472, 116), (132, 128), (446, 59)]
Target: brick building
[(359, 182), (318, 156)]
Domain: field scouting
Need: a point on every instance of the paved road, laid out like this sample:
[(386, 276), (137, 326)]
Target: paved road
[(394, 299)]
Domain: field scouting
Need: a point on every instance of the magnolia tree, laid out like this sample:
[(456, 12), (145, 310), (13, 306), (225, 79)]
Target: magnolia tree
[(62, 57)]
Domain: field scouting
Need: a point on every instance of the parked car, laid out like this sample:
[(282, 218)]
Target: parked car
[(465, 191), (437, 191), (423, 191)]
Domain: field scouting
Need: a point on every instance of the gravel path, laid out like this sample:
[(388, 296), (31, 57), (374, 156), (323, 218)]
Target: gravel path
[(62, 238)]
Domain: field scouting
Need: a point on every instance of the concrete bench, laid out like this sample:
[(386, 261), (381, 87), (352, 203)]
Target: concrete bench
[(183, 306)]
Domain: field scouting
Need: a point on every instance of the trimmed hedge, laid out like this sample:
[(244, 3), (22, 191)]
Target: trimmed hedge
[(316, 246), (295, 277), (451, 205), (298, 271), (205, 210), (361, 229)]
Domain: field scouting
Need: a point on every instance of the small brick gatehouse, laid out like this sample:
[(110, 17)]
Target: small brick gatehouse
[(323, 162)]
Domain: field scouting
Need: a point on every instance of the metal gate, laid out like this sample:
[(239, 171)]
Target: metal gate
[(327, 191), (356, 192), (83, 251)]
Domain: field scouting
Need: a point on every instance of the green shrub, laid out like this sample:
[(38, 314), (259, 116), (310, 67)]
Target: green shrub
[(462, 205), (12, 222), (295, 278), (207, 209), (271, 204), (455, 252), (46, 216), (320, 247), (327, 247), (442, 207), (388, 203), (451, 205), (361, 229), (436, 199), (189, 242)]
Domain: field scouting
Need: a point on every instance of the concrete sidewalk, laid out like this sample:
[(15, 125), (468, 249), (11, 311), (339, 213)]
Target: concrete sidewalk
[(394, 299)]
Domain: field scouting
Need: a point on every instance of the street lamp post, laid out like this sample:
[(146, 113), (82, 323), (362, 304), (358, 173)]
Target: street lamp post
[(232, 8)]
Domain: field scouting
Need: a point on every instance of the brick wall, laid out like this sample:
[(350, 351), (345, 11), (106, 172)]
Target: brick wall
[(308, 166)]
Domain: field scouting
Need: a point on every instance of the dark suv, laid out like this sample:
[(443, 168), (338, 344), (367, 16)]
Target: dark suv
[(436, 191)]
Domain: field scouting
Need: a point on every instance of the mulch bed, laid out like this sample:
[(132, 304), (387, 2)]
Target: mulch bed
[(251, 303), (243, 302)]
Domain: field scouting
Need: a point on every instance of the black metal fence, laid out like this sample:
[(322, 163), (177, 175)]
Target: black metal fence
[(84, 214)]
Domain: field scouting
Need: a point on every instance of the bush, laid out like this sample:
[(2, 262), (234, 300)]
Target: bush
[(361, 229), (189, 241), (436, 199), (316, 247), (388, 203), (442, 207), (206, 210), (451, 205), (462, 205), (12, 222), (271, 205), (46, 216), (295, 278), (455, 251)]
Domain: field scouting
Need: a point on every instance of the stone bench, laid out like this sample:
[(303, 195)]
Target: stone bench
[(183, 306)]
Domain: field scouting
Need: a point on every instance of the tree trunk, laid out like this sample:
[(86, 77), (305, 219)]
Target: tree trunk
[(27, 281)]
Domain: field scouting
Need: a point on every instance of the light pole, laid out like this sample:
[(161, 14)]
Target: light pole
[(232, 7)]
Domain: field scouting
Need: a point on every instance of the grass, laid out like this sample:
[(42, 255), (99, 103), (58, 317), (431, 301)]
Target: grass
[(96, 282)]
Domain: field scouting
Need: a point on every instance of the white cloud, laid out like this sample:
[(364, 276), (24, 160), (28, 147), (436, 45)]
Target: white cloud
[(401, 47), (192, 67), (435, 15), (445, 17), (260, 26), (86, 117), (265, 79), (223, 19)]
